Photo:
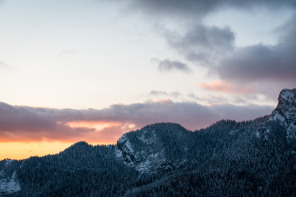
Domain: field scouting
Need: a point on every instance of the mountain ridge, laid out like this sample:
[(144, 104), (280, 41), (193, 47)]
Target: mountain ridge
[(228, 158)]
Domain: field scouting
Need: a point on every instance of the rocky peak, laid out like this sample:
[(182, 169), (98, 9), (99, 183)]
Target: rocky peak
[(138, 150), (286, 108), (284, 114), (145, 149)]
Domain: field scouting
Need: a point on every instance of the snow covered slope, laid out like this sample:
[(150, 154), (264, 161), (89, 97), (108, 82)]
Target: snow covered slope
[(284, 114), (8, 184), (147, 149), (286, 108)]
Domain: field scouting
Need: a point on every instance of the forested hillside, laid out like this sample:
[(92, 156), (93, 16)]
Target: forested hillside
[(229, 158)]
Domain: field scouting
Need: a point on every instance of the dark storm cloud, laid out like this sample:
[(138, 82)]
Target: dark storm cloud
[(203, 43), (261, 62), (35, 124), (169, 65), (200, 8), (175, 7)]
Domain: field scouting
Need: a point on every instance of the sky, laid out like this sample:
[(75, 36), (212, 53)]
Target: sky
[(91, 70)]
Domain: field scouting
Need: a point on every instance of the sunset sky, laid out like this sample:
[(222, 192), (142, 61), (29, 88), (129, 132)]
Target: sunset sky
[(91, 70)]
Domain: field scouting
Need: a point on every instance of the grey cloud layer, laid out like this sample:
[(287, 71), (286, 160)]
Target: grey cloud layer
[(157, 92), (34, 124), (262, 62), (39, 123), (164, 93), (203, 44), (213, 47), (169, 65), (200, 8)]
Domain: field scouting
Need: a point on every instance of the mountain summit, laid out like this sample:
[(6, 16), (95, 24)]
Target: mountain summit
[(148, 149), (286, 108), (229, 158), (284, 114)]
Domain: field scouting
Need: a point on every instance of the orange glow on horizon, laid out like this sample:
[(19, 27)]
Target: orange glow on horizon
[(92, 124), (27, 145), (24, 150)]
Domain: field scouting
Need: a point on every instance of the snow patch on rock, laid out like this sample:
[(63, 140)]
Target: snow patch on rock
[(9, 185), (284, 113), (148, 137), (129, 146), (145, 156), (277, 116), (7, 162), (118, 152), (287, 94)]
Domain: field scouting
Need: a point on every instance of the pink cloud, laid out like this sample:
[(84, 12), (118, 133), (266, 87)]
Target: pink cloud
[(223, 86), (24, 124)]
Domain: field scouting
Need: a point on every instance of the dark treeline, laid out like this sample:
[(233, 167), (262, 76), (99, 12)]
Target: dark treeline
[(226, 159)]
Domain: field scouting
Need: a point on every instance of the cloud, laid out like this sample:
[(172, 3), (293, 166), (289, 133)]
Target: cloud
[(174, 7), (214, 47), (19, 123), (263, 63), (164, 93), (200, 8), (223, 86), (259, 63), (193, 96), (175, 94), (168, 65), (210, 99), (156, 92), (203, 44), (239, 99)]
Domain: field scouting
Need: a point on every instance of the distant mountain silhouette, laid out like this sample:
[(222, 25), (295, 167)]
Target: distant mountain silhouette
[(229, 158)]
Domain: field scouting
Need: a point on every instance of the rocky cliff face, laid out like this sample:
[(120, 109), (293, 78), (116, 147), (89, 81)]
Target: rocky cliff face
[(147, 149), (144, 159), (285, 113), (286, 108)]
